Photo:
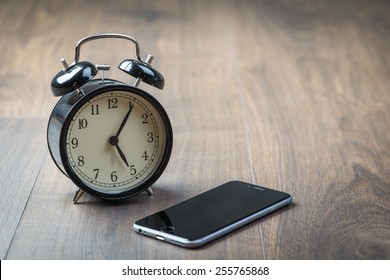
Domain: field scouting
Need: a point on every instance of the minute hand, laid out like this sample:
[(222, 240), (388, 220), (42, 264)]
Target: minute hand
[(124, 120)]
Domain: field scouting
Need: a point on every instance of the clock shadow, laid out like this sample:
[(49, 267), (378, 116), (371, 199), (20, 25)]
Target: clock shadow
[(160, 194)]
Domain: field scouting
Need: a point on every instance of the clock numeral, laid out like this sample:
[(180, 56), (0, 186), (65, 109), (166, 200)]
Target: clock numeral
[(94, 109), (114, 177), (133, 171), (145, 118), (145, 155), (83, 123), (96, 171), (74, 142), (150, 137), (80, 161), (112, 103)]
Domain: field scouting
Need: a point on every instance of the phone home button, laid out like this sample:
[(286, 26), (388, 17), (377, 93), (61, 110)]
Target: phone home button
[(168, 229)]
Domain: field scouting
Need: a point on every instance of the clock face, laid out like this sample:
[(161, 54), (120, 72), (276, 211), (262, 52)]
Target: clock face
[(118, 141)]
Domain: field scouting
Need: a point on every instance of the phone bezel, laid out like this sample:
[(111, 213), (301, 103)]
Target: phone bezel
[(195, 243)]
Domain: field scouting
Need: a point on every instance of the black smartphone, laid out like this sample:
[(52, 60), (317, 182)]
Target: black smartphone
[(212, 214)]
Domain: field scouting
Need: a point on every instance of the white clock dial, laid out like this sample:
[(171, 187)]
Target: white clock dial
[(115, 141)]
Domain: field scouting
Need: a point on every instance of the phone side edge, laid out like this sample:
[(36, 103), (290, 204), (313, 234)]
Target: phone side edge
[(162, 236)]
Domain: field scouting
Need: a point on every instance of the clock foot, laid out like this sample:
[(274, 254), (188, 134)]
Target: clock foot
[(77, 195), (149, 191)]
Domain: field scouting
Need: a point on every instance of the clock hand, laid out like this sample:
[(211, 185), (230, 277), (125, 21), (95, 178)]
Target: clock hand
[(122, 155), (114, 142), (124, 120)]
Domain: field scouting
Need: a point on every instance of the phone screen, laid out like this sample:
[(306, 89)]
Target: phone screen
[(212, 214)]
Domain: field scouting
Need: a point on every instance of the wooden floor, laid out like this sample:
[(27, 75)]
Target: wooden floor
[(293, 95)]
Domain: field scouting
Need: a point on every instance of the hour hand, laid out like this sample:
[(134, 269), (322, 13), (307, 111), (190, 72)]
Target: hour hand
[(114, 141), (122, 155)]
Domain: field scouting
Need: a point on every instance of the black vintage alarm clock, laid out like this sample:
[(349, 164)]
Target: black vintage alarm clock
[(111, 139)]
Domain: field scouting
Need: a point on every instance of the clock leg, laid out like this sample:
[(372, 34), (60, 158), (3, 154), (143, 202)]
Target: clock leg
[(77, 195), (80, 192), (149, 191)]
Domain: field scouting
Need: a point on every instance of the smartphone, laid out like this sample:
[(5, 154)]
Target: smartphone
[(212, 214)]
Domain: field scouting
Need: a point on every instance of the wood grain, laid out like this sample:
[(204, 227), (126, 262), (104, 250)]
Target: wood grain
[(293, 95), (321, 135), (21, 162)]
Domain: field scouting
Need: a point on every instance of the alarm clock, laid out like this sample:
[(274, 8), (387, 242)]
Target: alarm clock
[(113, 140)]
